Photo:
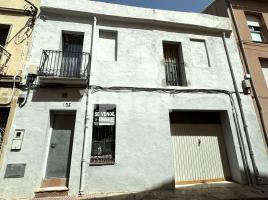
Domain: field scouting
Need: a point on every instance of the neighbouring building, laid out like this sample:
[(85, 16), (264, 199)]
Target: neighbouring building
[(250, 25), (17, 19), (122, 99)]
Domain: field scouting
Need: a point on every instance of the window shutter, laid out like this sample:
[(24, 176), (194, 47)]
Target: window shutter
[(253, 20)]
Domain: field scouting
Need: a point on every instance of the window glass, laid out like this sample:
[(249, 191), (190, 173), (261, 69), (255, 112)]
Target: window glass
[(255, 28), (256, 36)]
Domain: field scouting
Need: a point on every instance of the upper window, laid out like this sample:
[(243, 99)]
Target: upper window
[(255, 28), (174, 66), (4, 29)]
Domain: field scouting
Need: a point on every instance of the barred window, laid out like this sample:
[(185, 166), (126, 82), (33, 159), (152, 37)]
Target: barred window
[(103, 136), (174, 66)]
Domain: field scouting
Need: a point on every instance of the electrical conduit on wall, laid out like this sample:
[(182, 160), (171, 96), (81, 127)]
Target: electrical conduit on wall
[(86, 128), (251, 153)]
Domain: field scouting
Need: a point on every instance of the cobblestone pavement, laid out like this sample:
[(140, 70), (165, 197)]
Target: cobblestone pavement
[(216, 191)]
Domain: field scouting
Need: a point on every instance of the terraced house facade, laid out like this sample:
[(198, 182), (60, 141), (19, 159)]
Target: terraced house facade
[(122, 99), (17, 20)]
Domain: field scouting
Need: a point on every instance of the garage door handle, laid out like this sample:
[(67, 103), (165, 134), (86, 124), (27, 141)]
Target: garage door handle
[(199, 142), (53, 145)]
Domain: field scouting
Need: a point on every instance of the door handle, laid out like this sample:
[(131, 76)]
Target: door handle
[(53, 145), (199, 142)]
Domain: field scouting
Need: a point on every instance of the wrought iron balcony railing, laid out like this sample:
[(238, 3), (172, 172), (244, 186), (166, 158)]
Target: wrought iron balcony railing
[(64, 64), (4, 57)]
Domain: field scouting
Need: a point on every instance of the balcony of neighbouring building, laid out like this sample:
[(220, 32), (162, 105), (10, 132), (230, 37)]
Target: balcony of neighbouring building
[(63, 67), (4, 58)]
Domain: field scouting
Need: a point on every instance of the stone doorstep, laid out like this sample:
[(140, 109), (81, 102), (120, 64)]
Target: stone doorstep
[(52, 189), (105, 195), (52, 192)]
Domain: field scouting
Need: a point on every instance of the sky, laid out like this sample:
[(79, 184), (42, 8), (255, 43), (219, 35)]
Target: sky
[(178, 5)]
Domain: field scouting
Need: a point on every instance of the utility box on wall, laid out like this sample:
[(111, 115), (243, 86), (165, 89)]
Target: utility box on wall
[(15, 170), (17, 140)]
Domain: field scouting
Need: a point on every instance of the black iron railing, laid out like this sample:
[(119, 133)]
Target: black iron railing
[(175, 74), (4, 57), (64, 64)]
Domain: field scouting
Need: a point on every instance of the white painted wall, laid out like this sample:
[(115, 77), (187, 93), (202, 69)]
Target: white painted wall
[(143, 140)]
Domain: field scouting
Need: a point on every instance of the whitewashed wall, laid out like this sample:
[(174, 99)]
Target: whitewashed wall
[(143, 140)]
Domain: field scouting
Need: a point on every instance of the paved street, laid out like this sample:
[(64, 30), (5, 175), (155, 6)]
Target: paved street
[(215, 191)]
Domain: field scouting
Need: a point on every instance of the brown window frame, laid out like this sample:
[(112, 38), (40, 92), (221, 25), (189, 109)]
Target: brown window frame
[(256, 29)]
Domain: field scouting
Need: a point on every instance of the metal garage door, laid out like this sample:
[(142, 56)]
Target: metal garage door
[(199, 153)]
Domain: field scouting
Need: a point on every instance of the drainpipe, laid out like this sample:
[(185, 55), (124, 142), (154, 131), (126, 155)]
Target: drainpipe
[(245, 126), (244, 57), (87, 122)]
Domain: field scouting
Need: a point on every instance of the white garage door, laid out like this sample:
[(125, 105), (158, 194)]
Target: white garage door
[(199, 153)]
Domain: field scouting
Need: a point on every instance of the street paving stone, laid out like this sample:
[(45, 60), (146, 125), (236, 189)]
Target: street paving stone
[(216, 191)]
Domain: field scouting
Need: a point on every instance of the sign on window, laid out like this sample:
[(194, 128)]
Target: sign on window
[(103, 136)]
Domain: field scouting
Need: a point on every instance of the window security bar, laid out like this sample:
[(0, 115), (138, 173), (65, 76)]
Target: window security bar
[(174, 72)]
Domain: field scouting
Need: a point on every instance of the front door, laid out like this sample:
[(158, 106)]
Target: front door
[(60, 150)]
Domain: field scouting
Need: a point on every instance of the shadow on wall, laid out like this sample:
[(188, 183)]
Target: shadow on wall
[(226, 190), (168, 186), (58, 95)]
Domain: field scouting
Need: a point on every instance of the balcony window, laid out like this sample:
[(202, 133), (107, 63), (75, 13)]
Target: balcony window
[(71, 55), (174, 66), (71, 62), (255, 28)]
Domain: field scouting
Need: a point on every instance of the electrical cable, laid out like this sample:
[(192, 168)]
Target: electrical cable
[(195, 91)]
